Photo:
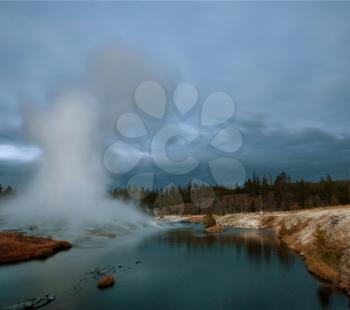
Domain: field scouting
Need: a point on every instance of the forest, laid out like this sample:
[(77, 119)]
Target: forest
[(257, 194), (4, 192)]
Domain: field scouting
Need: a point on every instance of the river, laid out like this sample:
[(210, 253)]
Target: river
[(174, 268)]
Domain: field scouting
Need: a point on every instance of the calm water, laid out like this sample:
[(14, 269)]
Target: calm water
[(180, 268)]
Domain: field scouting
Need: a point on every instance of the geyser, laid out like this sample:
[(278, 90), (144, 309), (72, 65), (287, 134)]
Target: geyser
[(70, 189)]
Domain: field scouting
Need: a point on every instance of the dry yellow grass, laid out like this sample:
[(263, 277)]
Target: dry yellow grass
[(285, 232), (195, 219), (321, 269), (322, 254), (17, 247), (267, 221)]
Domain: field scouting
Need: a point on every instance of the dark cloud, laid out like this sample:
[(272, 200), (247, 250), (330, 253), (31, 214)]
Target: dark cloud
[(305, 153), (286, 64)]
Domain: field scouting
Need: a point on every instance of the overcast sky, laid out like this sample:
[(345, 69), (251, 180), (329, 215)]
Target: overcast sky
[(286, 64)]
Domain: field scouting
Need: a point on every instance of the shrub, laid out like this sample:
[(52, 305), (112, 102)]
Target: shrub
[(329, 251), (319, 238), (283, 231), (208, 220)]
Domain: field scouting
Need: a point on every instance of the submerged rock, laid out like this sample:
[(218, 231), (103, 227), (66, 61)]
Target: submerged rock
[(106, 281), (103, 270), (32, 303)]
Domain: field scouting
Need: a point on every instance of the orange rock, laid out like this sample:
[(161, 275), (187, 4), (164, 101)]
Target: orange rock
[(195, 219), (214, 229), (106, 281)]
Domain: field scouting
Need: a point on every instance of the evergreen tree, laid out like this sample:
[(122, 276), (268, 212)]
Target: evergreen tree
[(8, 190)]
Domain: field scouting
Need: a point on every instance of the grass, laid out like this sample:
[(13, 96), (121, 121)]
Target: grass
[(327, 249), (17, 247), (323, 259), (320, 268), (322, 255), (267, 221), (297, 227)]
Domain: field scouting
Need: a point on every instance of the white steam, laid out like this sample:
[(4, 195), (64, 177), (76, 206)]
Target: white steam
[(70, 189)]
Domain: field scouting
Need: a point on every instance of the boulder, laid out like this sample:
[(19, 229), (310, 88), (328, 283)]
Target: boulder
[(106, 281), (214, 229), (32, 303)]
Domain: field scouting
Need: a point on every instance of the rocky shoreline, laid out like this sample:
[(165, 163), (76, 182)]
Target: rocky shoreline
[(321, 236)]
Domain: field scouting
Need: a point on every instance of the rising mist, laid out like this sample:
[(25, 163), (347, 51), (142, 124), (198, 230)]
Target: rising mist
[(70, 189)]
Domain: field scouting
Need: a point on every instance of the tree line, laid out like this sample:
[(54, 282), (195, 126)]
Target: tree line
[(6, 191), (257, 193)]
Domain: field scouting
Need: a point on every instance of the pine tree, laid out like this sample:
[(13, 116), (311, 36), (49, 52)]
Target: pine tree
[(8, 190)]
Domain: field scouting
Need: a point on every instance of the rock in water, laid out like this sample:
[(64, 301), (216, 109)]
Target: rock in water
[(32, 303), (106, 281), (214, 229)]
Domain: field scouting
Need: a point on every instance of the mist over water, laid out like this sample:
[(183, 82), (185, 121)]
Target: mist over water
[(70, 190)]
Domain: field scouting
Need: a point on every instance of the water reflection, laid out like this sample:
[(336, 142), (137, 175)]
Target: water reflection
[(183, 268), (260, 247), (325, 293)]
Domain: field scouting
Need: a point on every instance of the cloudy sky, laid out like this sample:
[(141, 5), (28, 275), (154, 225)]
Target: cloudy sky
[(285, 64)]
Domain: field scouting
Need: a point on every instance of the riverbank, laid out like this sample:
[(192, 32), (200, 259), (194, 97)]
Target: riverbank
[(321, 236), (17, 247)]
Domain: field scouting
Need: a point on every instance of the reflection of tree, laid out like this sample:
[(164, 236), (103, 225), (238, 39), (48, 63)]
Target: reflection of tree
[(259, 247), (284, 256), (324, 294)]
